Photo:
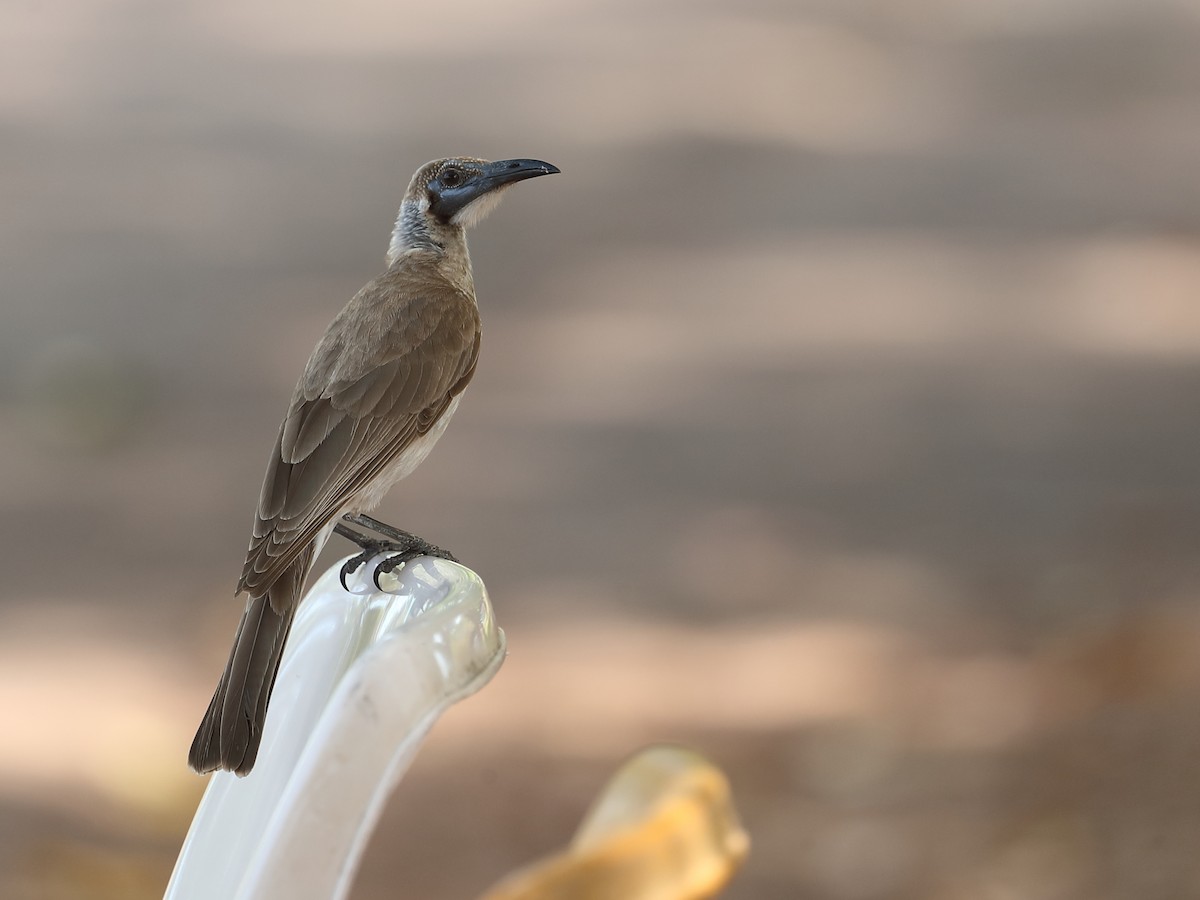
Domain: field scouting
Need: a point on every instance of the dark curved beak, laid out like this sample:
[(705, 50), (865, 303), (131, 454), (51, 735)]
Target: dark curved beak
[(493, 175), (506, 171)]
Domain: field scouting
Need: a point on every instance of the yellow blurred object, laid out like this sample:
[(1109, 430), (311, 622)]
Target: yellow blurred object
[(663, 829)]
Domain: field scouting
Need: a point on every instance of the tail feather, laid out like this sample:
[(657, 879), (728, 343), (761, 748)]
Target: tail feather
[(230, 733)]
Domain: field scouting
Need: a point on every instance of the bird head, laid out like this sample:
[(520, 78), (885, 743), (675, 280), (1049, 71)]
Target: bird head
[(461, 191), (453, 194)]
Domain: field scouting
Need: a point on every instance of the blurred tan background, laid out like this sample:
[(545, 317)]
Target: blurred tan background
[(837, 416)]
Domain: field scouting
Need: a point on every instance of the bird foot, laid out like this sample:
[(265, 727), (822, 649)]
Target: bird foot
[(404, 547)]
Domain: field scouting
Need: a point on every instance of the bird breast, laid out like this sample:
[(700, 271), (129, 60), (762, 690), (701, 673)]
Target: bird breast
[(412, 456)]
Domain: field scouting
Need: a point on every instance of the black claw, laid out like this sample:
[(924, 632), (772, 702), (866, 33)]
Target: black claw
[(405, 547), (392, 563), (349, 567)]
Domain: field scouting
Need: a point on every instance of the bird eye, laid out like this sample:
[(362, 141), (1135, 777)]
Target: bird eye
[(451, 177)]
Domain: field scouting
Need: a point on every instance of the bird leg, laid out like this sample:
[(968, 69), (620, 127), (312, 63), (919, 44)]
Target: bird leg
[(403, 545), (370, 549)]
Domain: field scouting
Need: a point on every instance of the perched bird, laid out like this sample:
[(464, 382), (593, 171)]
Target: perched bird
[(376, 394)]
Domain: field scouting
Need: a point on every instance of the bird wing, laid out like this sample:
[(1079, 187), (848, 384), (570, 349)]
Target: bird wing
[(387, 369)]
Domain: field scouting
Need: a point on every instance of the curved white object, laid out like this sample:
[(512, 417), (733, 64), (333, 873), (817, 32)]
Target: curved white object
[(364, 677)]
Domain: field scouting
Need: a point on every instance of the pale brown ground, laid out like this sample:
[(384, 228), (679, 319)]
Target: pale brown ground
[(837, 416)]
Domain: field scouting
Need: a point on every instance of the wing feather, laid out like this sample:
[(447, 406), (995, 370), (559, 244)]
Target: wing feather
[(306, 427), (386, 371)]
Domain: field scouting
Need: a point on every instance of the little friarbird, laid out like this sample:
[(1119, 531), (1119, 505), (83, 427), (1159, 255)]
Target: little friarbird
[(376, 394)]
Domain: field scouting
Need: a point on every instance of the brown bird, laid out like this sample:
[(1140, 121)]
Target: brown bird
[(376, 394)]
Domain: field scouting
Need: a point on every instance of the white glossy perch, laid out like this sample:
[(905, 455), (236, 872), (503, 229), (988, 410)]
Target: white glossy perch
[(364, 677)]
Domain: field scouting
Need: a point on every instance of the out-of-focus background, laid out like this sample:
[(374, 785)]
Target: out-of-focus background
[(836, 416)]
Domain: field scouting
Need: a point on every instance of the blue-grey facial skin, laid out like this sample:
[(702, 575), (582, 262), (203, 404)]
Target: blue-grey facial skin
[(455, 187)]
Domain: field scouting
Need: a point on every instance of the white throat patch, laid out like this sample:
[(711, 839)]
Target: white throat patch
[(475, 211)]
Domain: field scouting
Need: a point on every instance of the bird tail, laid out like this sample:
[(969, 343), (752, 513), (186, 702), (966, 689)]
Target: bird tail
[(229, 734)]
